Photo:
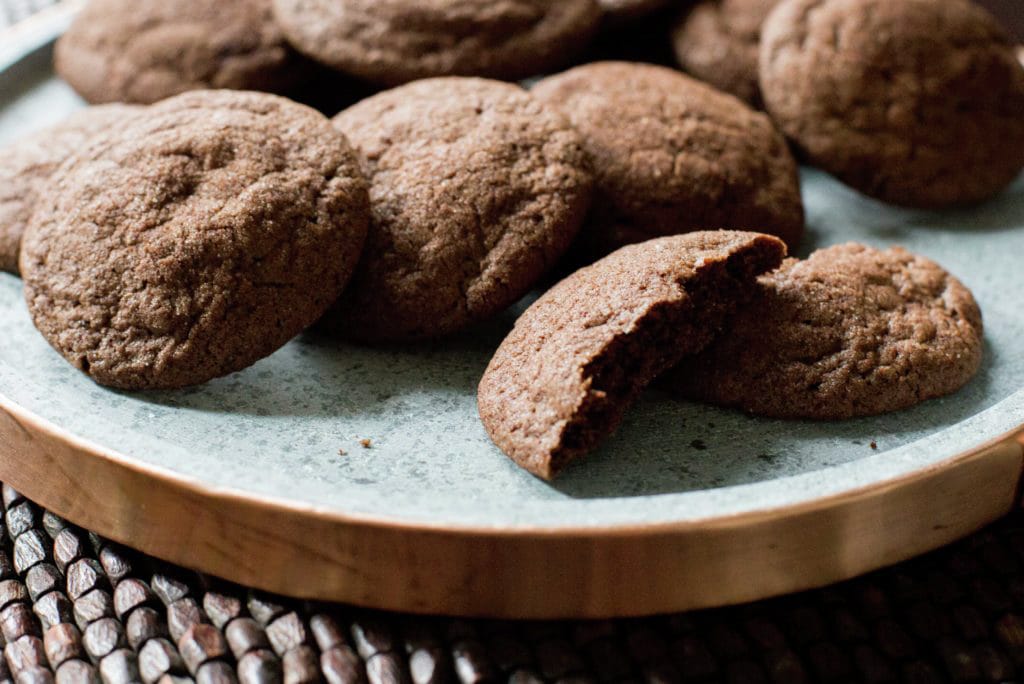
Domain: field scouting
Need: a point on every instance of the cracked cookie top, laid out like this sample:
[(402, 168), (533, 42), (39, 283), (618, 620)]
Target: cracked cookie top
[(396, 41), (194, 240), (26, 167), (851, 331), (476, 189), (673, 155), (916, 102), (146, 50)]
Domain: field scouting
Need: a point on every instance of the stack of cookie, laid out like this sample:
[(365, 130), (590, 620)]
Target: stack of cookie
[(200, 225)]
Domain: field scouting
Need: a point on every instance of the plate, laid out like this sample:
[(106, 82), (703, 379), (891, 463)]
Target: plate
[(364, 475)]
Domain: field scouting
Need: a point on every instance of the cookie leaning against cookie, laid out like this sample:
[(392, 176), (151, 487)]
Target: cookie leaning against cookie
[(582, 353), (147, 50), (195, 240), (851, 331), (673, 155), (395, 41), (476, 189), (913, 102), (718, 42), (26, 167)]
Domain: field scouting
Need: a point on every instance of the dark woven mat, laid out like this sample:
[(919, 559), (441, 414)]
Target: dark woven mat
[(74, 607)]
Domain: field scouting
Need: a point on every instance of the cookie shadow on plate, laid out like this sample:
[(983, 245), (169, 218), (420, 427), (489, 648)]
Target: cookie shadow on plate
[(316, 375), (832, 206), (668, 446)]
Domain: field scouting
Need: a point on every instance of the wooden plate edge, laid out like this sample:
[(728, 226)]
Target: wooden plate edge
[(498, 572), (600, 572)]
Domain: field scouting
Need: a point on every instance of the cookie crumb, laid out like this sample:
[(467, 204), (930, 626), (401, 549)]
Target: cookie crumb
[(874, 445), (366, 443)]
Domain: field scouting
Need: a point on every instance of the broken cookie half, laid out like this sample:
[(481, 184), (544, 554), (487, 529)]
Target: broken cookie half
[(578, 357)]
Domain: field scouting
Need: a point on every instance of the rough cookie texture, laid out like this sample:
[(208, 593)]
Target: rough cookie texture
[(673, 155), (395, 41), (26, 167), (563, 378), (916, 102), (476, 189), (146, 50), (194, 241), (851, 331), (718, 42)]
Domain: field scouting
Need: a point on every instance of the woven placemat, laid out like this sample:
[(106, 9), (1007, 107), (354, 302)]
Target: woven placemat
[(74, 608)]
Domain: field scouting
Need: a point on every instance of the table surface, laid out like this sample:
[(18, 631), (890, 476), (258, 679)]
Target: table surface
[(75, 605)]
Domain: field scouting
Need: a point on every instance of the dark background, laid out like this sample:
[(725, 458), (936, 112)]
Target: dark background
[(1012, 13)]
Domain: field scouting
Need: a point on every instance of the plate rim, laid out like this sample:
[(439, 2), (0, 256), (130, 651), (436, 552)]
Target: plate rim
[(24, 426)]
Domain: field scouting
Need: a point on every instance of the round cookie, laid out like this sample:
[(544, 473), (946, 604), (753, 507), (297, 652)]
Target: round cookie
[(851, 331), (195, 240), (396, 41), (476, 189), (917, 102), (26, 167), (673, 155), (718, 42), (147, 50), (582, 353)]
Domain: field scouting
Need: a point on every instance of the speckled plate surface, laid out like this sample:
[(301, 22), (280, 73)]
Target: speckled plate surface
[(276, 432)]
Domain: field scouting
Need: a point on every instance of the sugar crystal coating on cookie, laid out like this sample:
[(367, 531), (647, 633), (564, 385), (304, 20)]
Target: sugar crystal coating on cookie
[(851, 331), (476, 187), (146, 50), (672, 155), (27, 165), (916, 102), (194, 240), (396, 41)]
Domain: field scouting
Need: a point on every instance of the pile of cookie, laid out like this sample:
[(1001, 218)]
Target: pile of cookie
[(186, 226)]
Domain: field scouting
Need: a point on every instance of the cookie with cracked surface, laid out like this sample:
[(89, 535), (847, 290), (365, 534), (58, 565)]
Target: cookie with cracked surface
[(917, 102), (476, 189), (673, 155), (26, 167), (146, 50), (395, 41), (851, 331), (582, 353), (195, 240), (718, 42)]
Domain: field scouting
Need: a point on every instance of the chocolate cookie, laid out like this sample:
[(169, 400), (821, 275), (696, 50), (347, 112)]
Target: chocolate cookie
[(917, 102), (563, 378), (851, 331), (476, 189), (195, 240), (146, 50), (718, 42), (395, 41), (26, 167), (674, 155)]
